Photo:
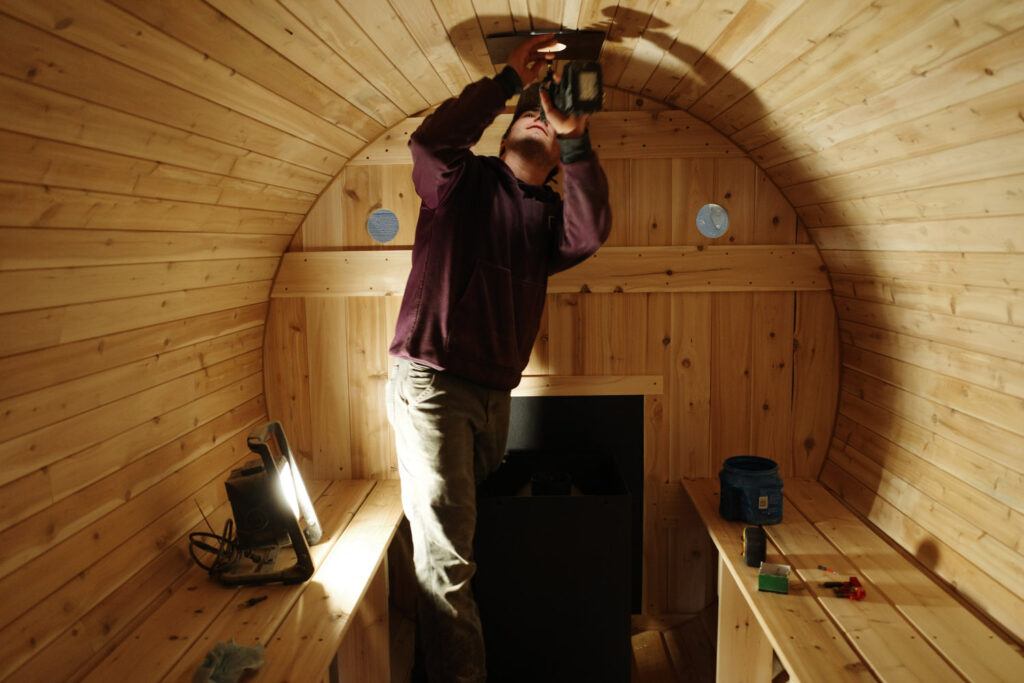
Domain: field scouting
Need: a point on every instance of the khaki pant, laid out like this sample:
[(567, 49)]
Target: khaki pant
[(450, 434)]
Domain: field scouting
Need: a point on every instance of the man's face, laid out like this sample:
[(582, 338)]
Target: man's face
[(534, 139)]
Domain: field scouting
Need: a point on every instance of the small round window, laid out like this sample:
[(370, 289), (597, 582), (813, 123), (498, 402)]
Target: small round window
[(382, 225), (712, 220)]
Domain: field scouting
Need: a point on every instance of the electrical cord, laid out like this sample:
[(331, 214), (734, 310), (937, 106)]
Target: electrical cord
[(225, 554)]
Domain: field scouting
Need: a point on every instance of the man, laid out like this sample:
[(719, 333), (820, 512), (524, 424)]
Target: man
[(489, 233)]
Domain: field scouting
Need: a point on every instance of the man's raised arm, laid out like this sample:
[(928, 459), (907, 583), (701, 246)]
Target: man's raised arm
[(440, 146)]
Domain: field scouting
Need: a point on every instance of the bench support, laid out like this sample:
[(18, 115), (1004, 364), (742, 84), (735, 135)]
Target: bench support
[(744, 653), (365, 650)]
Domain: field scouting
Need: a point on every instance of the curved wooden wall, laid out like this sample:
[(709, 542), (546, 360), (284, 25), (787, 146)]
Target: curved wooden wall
[(158, 156), (744, 366)]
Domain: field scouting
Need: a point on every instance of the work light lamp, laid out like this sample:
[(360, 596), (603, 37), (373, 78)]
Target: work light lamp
[(268, 500)]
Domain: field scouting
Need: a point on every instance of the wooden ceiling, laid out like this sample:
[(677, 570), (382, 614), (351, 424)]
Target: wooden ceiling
[(283, 92)]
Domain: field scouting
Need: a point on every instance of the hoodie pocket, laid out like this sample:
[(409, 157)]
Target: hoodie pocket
[(497, 318)]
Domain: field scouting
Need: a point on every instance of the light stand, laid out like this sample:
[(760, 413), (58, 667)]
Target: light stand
[(267, 499)]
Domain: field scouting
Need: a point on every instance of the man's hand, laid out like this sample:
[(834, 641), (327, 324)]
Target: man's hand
[(527, 61), (564, 125)]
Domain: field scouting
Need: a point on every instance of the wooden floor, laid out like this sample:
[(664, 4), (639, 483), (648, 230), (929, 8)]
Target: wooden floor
[(684, 652), (681, 652)]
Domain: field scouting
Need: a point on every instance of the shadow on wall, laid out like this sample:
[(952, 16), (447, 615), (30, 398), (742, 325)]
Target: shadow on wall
[(699, 74), (624, 24), (672, 528)]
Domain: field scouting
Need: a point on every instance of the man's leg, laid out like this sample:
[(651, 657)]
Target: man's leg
[(445, 437)]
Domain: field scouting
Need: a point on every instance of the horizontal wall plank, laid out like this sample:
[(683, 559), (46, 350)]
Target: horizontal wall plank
[(992, 304), (99, 459), (698, 30), (991, 478), (47, 446), (923, 94), (32, 248), (999, 445), (989, 115), (160, 474), (576, 385), (977, 233), (343, 273), (976, 161), (808, 24), (56, 164), (283, 33), (980, 369), (992, 197), (1002, 564), (749, 27), (60, 609), (884, 461), (51, 62), (36, 370), (998, 341), (115, 34), (35, 330), (992, 407), (206, 30), (48, 115), (979, 270), (611, 270), (24, 205), (34, 410), (821, 85), (343, 36), (418, 47), (615, 135), (52, 287), (80, 645)]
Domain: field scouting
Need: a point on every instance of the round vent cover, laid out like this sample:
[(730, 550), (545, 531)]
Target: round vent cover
[(382, 225), (712, 220)]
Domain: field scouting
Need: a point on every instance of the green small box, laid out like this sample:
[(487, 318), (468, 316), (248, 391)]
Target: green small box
[(773, 578)]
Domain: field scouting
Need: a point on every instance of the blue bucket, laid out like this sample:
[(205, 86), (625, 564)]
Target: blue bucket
[(751, 490)]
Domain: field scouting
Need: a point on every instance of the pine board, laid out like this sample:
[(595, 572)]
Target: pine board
[(36, 248), (325, 607), (224, 617), (46, 114), (56, 364), (56, 64), (965, 641), (611, 270), (48, 617), (37, 409), (811, 647)]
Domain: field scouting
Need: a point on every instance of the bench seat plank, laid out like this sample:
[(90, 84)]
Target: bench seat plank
[(172, 642), (153, 647), (307, 641), (892, 648), (252, 625), (810, 646), (962, 638)]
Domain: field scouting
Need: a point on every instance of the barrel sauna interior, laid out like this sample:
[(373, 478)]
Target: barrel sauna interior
[(163, 159)]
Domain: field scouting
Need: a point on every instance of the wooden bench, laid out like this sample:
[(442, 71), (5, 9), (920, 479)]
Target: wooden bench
[(333, 627), (908, 627)]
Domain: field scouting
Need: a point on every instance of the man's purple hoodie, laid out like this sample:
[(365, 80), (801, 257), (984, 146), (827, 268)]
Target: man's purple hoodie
[(486, 242)]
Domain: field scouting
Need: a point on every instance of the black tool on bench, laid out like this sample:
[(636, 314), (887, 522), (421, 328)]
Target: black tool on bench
[(267, 497), (755, 546)]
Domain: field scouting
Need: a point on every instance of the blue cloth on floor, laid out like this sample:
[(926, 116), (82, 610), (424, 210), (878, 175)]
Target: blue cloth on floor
[(227, 662)]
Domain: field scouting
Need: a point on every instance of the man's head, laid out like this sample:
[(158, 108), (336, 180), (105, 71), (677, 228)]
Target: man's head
[(528, 137)]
